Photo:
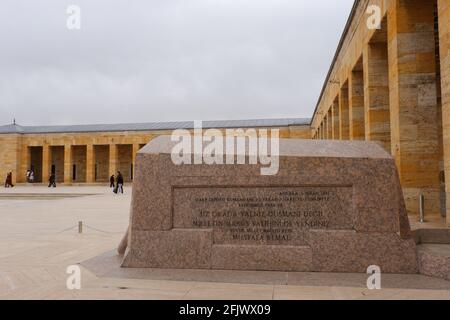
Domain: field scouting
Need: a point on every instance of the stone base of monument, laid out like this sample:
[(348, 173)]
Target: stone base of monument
[(332, 207)]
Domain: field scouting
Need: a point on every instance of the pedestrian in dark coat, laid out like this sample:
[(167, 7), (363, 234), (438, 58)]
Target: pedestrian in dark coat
[(52, 181), (8, 181), (119, 182)]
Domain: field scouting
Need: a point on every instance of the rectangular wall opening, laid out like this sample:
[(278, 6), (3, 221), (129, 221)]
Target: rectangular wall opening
[(57, 162), (125, 160), (101, 156), (79, 163), (35, 156)]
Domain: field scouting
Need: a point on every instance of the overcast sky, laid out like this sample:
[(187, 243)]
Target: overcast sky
[(148, 60)]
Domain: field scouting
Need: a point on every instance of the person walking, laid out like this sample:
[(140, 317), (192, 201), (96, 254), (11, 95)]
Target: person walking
[(31, 176), (11, 180), (8, 181), (28, 175), (52, 181), (119, 182), (111, 181)]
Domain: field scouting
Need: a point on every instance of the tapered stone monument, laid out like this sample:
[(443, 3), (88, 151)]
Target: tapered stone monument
[(331, 207)]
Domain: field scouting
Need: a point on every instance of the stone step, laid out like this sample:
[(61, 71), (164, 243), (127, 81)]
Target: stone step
[(434, 260), (432, 236)]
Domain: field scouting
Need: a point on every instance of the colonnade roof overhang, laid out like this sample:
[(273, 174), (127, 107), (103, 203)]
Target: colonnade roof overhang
[(154, 126), (336, 55)]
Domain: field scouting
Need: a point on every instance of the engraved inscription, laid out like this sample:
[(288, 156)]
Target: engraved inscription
[(263, 215)]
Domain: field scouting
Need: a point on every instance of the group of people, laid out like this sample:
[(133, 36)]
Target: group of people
[(8, 182), (30, 176), (116, 182)]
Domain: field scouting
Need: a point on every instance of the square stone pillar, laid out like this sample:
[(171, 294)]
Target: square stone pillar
[(414, 106), (376, 94), (344, 133), (24, 163), (67, 164), (112, 159), (335, 119), (46, 163), (90, 164), (444, 41), (356, 106), (330, 124), (135, 151)]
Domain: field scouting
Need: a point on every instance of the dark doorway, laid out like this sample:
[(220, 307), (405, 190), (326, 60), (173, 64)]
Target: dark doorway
[(74, 172), (57, 158), (36, 162)]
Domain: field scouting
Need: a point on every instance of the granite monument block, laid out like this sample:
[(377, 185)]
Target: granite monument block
[(333, 206)]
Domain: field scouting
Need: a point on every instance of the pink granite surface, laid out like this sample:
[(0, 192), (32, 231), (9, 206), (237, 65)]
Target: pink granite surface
[(333, 206), (434, 260)]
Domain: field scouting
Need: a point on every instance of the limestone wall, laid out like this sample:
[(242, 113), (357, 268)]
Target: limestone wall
[(9, 153), (444, 32)]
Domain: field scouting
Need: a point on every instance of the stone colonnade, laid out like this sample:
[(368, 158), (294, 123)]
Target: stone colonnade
[(79, 163), (392, 85)]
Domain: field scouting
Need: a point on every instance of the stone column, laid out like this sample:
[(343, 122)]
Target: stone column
[(413, 100), (335, 119), (444, 37), (24, 163), (323, 129), (376, 94), (67, 164), (46, 163), (90, 164), (356, 106), (135, 151), (112, 159), (344, 114), (330, 124)]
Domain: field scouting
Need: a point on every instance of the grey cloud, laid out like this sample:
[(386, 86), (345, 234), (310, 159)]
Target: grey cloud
[(165, 60)]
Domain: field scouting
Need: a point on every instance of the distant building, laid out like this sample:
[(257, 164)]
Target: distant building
[(91, 153)]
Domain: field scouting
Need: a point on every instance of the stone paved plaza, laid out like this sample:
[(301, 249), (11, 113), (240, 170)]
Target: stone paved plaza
[(39, 239)]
